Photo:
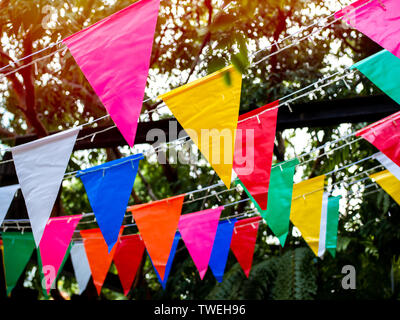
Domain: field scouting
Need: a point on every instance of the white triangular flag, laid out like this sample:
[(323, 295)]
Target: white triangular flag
[(81, 265), (6, 197), (40, 167), (393, 168), (323, 225)]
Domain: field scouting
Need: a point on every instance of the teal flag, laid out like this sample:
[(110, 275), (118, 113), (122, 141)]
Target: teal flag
[(383, 69), (332, 225), (279, 204), (17, 252)]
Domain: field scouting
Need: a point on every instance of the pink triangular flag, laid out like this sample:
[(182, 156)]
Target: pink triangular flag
[(198, 232), (378, 20), (114, 54), (56, 238), (244, 242)]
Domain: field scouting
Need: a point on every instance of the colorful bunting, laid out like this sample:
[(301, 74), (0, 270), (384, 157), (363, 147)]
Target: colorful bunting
[(18, 249), (382, 69), (306, 209), (385, 135), (332, 225), (212, 114), (6, 197), (114, 54), (244, 241), (40, 167), (169, 263), (393, 168), (157, 223), (98, 255), (389, 183), (329, 225), (81, 266), (220, 252), (378, 19), (109, 187), (254, 151), (198, 233), (127, 259), (54, 244), (277, 214)]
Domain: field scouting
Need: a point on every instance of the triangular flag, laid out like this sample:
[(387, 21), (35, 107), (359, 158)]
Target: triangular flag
[(198, 233), (382, 69), (306, 209), (208, 110), (385, 135), (393, 168), (220, 252), (277, 214), (81, 266), (54, 244), (98, 256), (108, 187), (114, 54), (6, 197), (323, 225), (127, 259), (389, 183), (254, 151), (169, 263), (244, 241), (332, 225), (40, 167), (378, 20), (17, 252), (157, 223)]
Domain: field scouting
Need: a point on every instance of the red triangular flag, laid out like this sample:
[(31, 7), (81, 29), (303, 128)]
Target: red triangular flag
[(127, 259), (377, 19), (157, 223), (254, 150), (385, 135), (244, 241), (97, 253), (56, 238), (114, 54), (198, 232)]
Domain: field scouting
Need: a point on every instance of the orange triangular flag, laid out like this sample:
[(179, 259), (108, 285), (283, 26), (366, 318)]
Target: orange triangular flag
[(97, 253), (157, 223)]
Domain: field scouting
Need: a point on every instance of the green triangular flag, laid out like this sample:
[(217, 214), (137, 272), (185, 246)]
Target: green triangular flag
[(332, 225), (42, 278), (17, 252), (383, 69), (280, 192)]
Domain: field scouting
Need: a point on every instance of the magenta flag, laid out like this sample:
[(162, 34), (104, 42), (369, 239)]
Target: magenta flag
[(377, 19), (114, 54), (54, 244), (198, 231)]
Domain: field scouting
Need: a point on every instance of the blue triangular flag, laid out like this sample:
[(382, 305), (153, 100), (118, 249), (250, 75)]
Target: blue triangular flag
[(222, 244), (108, 188), (169, 263)]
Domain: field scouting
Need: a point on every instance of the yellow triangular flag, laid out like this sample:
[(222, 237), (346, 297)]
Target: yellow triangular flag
[(306, 209), (389, 183), (208, 110)]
